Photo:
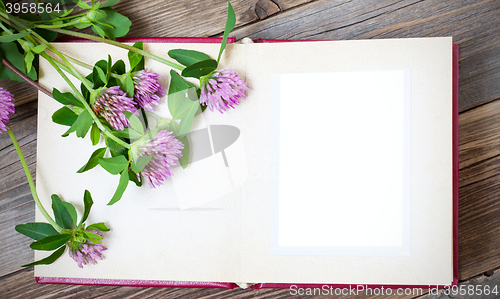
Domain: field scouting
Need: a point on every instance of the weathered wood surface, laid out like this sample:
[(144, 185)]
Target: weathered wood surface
[(475, 26)]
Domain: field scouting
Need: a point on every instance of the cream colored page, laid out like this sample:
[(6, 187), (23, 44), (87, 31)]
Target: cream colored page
[(151, 238), (430, 260)]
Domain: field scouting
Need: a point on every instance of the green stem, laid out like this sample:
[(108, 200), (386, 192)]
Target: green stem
[(118, 44), (5, 28), (25, 78), (87, 66), (65, 61), (58, 19), (31, 183), (11, 20), (68, 70), (84, 102), (58, 25)]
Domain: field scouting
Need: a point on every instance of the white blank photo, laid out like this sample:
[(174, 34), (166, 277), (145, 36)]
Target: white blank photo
[(341, 163)]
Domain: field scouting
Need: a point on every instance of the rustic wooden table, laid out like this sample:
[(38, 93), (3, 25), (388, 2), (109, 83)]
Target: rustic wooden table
[(475, 27)]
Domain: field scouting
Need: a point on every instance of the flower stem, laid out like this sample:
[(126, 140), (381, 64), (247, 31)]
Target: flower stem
[(5, 28), (58, 25), (118, 44), (84, 102), (31, 183), (25, 78), (74, 72), (83, 64), (59, 19), (69, 71)]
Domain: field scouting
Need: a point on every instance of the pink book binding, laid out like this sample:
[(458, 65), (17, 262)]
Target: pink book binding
[(230, 285)]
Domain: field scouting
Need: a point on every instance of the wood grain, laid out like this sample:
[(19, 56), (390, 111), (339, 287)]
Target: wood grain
[(479, 220), (475, 26), (16, 203)]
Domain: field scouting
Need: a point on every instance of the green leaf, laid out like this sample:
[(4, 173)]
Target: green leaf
[(72, 211), (95, 134), (98, 226), (48, 260), (187, 119), (187, 57), (183, 102), (181, 95), (86, 123), (98, 75), (64, 116), (140, 163), (121, 24), (11, 53), (99, 30), (199, 69), (109, 3), (132, 176), (61, 213), (115, 147), (108, 69), (81, 125), (101, 74), (39, 49), (128, 133), (184, 160), (136, 60), (83, 5), (36, 230), (66, 98), (230, 23), (83, 25), (127, 85), (114, 165), (85, 91), (177, 83), (93, 161), (134, 122), (51, 242), (13, 37), (122, 185), (28, 60), (87, 202), (94, 238), (118, 67)]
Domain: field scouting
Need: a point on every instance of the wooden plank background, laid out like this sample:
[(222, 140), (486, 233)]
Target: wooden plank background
[(474, 25)]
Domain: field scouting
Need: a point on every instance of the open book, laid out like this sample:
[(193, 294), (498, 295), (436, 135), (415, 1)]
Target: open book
[(339, 167)]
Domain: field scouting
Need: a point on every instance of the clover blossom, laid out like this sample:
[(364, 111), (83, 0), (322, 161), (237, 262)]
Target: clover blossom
[(6, 108), (84, 251), (110, 104), (222, 90), (165, 151), (147, 89)]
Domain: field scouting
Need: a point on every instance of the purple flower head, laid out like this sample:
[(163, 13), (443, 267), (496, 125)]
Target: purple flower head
[(147, 89), (222, 90), (110, 104), (86, 252), (166, 152), (6, 108)]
